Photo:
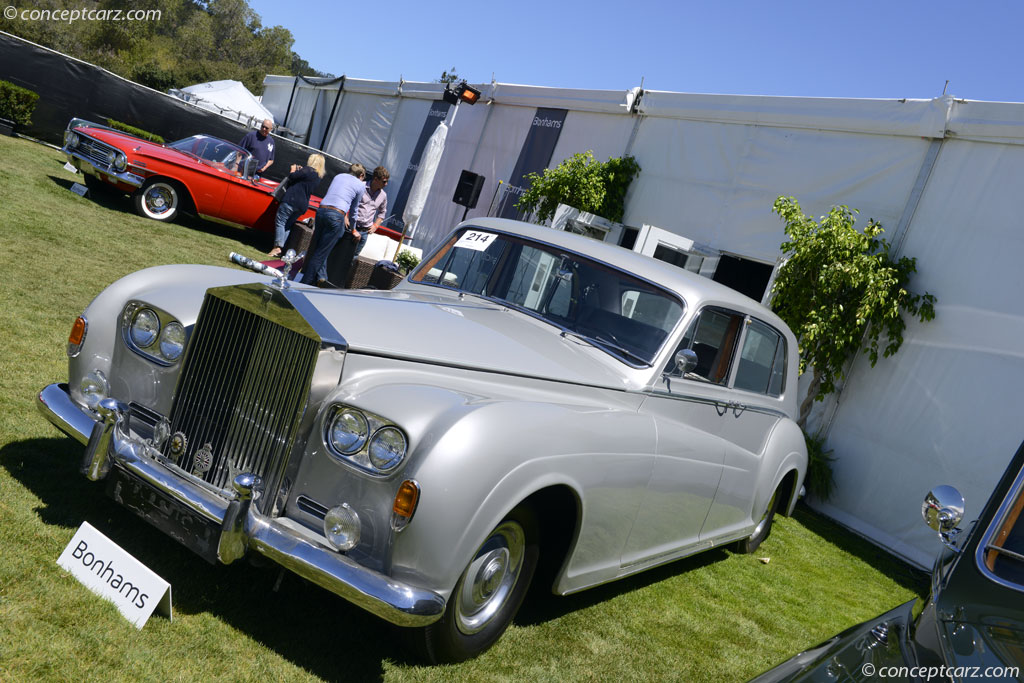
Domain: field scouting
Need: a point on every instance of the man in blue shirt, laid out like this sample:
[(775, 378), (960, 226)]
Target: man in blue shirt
[(259, 144), (335, 219)]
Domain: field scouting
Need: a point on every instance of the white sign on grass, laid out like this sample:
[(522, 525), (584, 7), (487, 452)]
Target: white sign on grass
[(106, 569)]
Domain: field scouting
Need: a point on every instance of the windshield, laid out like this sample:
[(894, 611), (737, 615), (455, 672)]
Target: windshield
[(214, 151), (618, 312)]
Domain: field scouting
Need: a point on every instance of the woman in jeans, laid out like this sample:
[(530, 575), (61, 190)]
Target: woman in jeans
[(301, 182)]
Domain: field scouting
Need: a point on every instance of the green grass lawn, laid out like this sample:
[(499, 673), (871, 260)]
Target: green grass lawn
[(715, 617)]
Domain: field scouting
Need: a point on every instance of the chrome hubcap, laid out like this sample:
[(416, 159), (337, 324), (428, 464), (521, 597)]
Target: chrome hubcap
[(490, 578), (158, 199)]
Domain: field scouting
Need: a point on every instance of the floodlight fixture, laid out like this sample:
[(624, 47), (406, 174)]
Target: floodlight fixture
[(460, 93)]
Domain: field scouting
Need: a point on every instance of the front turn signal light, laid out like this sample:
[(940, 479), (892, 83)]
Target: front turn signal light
[(406, 499), (77, 336)]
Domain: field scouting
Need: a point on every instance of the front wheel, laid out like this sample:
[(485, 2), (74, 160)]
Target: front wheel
[(159, 200), (488, 594), (763, 528)]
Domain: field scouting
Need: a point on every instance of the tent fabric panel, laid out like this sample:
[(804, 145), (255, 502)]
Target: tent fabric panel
[(405, 130), (360, 129), (987, 121), (495, 154), (937, 412), (300, 114), (922, 118), (277, 92), (716, 183), (605, 135), (439, 214), (605, 101)]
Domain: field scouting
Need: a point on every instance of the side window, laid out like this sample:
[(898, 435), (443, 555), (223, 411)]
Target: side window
[(712, 336), (762, 365)]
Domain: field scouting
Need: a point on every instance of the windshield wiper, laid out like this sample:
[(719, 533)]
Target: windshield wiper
[(602, 343)]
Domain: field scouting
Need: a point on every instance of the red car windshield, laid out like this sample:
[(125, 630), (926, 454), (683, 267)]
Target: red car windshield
[(213, 150)]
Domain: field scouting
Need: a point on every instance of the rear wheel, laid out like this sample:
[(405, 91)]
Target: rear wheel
[(488, 594), (763, 528), (159, 200)]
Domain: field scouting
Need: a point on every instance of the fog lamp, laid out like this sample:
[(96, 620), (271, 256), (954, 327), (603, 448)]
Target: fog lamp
[(94, 388), (341, 527)]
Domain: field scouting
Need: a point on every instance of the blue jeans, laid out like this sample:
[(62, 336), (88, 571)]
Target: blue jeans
[(329, 229), (283, 222)]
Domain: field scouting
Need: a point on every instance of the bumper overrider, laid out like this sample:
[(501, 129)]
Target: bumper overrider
[(238, 525)]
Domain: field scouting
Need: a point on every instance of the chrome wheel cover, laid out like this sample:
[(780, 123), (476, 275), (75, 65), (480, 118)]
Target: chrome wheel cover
[(489, 580), (159, 199)]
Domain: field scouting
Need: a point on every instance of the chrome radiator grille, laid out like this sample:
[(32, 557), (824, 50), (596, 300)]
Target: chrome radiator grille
[(94, 150), (241, 394)]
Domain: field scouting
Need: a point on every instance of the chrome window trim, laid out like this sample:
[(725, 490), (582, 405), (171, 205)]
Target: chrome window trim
[(1016, 490)]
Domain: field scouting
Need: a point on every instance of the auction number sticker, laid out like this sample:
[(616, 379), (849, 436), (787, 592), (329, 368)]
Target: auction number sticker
[(476, 240)]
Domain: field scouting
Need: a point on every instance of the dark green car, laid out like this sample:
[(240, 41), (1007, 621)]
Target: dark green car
[(971, 625)]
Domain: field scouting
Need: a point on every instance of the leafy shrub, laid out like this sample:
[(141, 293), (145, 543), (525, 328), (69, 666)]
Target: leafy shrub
[(819, 480), (407, 260), (137, 132), (17, 103), (583, 183)]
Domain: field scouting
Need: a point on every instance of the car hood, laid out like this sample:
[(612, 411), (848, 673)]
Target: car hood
[(468, 332), (124, 141)]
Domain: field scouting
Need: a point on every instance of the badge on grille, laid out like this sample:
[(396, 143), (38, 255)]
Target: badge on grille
[(179, 442), (203, 459)]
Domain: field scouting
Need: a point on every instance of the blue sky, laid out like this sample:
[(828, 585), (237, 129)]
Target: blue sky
[(871, 49)]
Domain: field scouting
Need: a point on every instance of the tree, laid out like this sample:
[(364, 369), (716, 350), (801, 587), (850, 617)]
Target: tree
[(583, 183), (448, 76), (840, 290)]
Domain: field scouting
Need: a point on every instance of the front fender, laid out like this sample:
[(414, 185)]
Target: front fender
[(496, 455), (178, 290)]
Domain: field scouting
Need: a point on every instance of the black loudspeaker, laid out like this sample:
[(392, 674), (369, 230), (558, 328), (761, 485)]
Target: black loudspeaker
[(468, 189)]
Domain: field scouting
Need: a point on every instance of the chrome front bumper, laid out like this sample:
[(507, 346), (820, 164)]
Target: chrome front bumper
[(242, 526), (86, 165)]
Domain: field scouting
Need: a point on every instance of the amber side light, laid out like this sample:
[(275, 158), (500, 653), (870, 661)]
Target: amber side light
[(406, 499), (77, 331)]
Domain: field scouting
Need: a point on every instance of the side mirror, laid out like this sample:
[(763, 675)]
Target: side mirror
[(943, 510), (686, 360), (249, 167)]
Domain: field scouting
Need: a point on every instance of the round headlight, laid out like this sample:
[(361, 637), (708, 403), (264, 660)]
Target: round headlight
[(145, 327), (348, 431), (341, 527), (172, 341), (120, 161), (111, 157), (94, 388), (71, 139), (387, 448)]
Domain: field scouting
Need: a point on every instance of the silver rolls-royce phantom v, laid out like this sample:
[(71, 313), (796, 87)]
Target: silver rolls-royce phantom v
[(526, 405)]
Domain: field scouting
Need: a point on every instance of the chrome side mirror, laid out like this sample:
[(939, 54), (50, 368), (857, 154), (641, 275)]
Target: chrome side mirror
[(686, 360), (943, 510)]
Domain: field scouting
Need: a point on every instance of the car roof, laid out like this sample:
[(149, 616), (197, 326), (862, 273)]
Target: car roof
[(695, 289)]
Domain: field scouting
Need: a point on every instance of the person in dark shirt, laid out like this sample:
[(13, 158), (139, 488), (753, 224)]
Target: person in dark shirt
[(301, 182), (259, 144)]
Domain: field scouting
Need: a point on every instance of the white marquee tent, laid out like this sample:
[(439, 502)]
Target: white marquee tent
[(941, 175), (227, 98)]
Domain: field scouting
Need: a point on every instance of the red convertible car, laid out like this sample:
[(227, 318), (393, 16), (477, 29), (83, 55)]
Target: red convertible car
[(210, 177)]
